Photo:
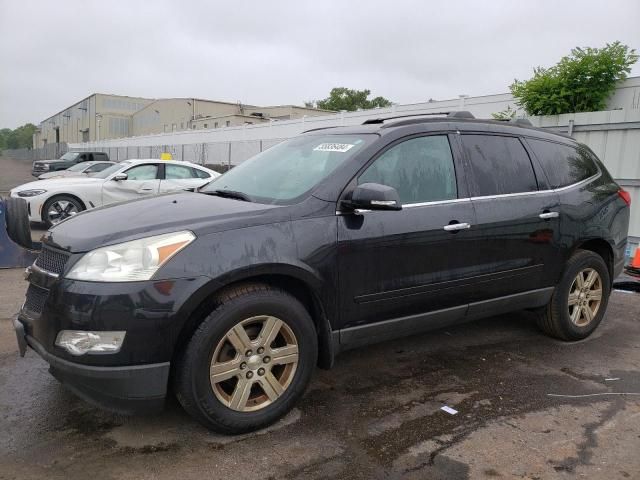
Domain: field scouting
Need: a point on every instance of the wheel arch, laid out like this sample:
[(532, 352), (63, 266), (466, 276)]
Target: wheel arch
[(602, 247), (295, 281), (56, 195)]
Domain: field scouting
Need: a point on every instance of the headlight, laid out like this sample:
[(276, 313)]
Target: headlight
[(130, 261), (31, 193), (78, 342)]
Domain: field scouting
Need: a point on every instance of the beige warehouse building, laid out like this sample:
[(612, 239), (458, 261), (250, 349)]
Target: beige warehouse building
[(102, 117), (96, 117)]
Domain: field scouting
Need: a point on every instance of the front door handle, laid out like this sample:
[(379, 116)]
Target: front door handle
[(454, 227), (548, 215), (146, 189)]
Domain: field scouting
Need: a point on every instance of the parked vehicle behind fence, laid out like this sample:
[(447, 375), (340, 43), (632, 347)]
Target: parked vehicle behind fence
[(82, 169), (65, 161), (334, 239)]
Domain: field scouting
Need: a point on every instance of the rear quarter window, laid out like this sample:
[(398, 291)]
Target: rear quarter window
[(563, 164)]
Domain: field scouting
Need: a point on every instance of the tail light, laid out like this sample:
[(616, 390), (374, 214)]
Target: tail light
[(624, 195)]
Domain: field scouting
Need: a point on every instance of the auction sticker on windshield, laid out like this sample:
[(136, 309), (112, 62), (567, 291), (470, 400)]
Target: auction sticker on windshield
[(334, 147)]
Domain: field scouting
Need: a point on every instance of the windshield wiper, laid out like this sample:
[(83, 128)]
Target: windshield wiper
[(230, 194)]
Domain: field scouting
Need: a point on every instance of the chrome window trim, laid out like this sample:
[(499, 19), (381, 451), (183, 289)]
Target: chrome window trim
[(436, 202), (553, 190), (490, 197), (580, 183)]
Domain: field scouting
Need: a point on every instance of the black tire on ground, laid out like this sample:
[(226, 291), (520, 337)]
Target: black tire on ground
[(17, 219), (192, 384), (57, 199), (554, 319)]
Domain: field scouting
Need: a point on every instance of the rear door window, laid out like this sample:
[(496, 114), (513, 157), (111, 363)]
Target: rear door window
[(563, 164), (498, 165), (420, 169), (178, 172)]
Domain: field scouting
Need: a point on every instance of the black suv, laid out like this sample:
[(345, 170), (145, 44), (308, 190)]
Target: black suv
[(67, 160), (336, 238)]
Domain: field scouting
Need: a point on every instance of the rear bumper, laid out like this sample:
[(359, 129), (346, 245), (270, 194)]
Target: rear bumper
[(125, 389)]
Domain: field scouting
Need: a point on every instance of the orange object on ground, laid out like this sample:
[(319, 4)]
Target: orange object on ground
[(635, 263)]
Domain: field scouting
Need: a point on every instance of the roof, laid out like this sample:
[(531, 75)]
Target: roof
[(191, 99), (444, 122), (177, 162), (87, 98)]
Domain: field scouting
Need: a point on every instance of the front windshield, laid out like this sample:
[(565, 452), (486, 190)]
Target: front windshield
[(78, 167), (69, 156), (290, 169), (109, 171)]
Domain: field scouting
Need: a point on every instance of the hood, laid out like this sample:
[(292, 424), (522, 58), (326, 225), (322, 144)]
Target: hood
[(52, 161), (61, 173), (202, 214), (57, 183)]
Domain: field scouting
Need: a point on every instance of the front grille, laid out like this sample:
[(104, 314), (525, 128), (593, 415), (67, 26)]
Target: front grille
[(52, 260), (35, 299)]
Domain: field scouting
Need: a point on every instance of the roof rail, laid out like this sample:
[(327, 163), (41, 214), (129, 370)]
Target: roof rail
[(461, 114), (452, 114), (523, 122)]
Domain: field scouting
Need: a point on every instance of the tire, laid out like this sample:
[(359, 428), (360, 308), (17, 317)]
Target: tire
[(67, 204), (561, 320), (219, 406), (17, 220)]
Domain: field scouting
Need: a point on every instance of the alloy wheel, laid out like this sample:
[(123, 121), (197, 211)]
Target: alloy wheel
[(254, 363), (585, 297), (60, 210)]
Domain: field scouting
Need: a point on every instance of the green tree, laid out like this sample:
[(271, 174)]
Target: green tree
[(21, 137), (506, 114), (341, 98), (4, 135), (579, 82)]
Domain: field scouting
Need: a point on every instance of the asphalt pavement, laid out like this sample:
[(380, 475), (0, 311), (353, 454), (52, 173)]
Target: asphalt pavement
[(528, 407)]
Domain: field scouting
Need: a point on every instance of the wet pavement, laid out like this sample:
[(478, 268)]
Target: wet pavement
[(376, 415)]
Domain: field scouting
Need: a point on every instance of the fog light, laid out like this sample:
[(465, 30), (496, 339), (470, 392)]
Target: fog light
[(78, 342)]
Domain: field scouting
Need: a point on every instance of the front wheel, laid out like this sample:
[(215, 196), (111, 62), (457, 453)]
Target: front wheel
[(580, 299), (249, 360), (58, 208)]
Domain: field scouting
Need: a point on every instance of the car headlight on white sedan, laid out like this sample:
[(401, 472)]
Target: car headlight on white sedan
[(31, 193), (130, 261)]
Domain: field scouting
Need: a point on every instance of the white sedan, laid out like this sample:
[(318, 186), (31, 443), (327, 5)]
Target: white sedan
[(53, 200)]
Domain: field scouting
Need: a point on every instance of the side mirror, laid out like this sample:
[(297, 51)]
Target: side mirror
[(373, 196), (120, 176)]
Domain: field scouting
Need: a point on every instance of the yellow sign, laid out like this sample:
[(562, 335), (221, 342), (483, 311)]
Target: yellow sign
[(165, 156)]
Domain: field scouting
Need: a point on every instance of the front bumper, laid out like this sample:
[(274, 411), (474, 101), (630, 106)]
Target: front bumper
[(151, 312), (128, 389)]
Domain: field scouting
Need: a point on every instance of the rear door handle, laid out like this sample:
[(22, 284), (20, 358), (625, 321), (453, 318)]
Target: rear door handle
[(548, 215), (454, 227)]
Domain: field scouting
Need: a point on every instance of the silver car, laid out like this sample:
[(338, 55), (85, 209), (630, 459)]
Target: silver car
[(82, 169)]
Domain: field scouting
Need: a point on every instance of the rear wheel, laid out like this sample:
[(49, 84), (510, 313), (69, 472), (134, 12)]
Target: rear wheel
[(60, 207), (249, 360), (17, 220), (579, 300)]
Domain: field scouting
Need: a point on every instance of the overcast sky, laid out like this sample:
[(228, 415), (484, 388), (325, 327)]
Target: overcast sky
[(54, 53)]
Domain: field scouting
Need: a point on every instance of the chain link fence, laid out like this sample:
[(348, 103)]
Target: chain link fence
[(222, 155), (48, 152)]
